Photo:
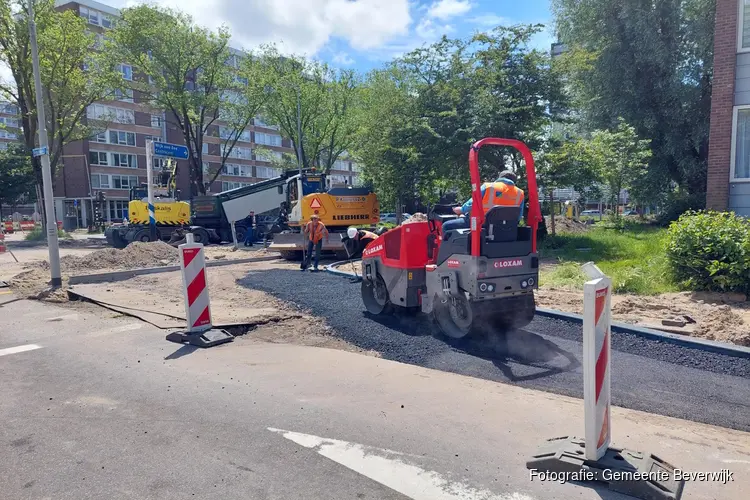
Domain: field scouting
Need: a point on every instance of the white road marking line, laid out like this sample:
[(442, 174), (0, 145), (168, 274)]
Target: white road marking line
[(64, 317), (127, 328), (392, 471), (20, 348)]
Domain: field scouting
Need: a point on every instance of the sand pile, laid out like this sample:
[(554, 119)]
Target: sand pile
[(563, 225), (417, 217), (134, 256), (34, 284)]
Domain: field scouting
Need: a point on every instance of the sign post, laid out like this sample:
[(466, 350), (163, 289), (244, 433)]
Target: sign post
[(199, 331), (638, 474), (161, 149)]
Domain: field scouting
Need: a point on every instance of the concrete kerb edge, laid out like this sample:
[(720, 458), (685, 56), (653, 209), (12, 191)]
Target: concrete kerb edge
[(130, 273), (690, 342), (330, 269)]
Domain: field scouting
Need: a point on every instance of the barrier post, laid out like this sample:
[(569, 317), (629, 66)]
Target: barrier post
[(200, 331), (2, 242), (638, 474)]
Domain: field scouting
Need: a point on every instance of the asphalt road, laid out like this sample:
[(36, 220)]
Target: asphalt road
[(651, 376)]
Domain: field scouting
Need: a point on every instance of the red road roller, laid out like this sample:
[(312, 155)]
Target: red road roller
[(473, 280)]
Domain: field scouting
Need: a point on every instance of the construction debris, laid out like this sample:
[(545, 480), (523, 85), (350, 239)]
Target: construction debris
[(417, 217)]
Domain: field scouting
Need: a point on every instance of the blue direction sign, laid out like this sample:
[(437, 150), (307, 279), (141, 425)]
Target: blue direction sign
[(40, 151), (170, 150)]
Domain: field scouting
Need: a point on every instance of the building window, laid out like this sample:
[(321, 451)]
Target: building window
[(4, 134), (238, 152), (124, 160), (118, 209), (126, 70), (156, 121), (102, 112), (267, 139), (237, 170), (340, 165), (8, 108), (106, 21), (122, 138), (124, 181), (90, 14), (100, 137), (260, 123), (741, 144), (124, 95), (154, 138), (100, 181), (98, 158), (268, 156), (227, 185), (9, 122), (4, 146), (229, 133), (266, 172), (204, 148)]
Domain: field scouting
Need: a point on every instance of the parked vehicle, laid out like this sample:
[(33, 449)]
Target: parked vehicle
[(390, 218)]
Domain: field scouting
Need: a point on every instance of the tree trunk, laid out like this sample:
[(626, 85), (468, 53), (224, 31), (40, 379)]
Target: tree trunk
[(552, 212)]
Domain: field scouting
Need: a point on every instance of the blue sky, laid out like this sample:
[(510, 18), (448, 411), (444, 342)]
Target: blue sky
[(359, 34), (432, 18)]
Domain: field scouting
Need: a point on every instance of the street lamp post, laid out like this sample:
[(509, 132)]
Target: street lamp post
[(299, 134), (49, 202)]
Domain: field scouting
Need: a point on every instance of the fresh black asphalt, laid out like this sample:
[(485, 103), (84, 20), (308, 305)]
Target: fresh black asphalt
[(656, 377)]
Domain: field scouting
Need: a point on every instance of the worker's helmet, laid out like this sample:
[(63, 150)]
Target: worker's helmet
[(351, 232)]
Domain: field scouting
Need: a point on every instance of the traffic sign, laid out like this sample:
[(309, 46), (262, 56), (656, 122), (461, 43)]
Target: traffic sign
[(39, 151), (170, 150), (315, 203)]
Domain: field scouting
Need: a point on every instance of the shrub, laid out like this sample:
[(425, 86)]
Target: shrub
[(710, 251), (37, 234)]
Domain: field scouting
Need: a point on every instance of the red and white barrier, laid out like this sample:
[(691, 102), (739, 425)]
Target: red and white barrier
[(597, 318), (195, 286), (2, 243)]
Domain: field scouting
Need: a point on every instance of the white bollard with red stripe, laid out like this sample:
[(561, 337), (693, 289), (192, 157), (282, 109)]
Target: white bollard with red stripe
[(200, 331), (597, 318), (195, 286), (635, 473)]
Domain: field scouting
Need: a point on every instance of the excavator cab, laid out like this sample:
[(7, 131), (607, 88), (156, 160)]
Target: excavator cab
[(478, 279)]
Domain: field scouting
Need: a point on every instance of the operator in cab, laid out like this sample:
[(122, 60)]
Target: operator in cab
[(502, 192)]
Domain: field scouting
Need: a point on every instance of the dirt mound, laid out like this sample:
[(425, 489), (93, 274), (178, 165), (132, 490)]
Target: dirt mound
[(417, 217), (720, 323), (34, 284), (563, 225), (134, 256)]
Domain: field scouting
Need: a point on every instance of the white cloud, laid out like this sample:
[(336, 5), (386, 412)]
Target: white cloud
[(302, 27), (490, 20), (446, 9), (342, 59)]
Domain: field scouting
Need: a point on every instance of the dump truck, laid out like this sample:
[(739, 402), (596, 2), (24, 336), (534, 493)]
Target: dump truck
[(212, 215)]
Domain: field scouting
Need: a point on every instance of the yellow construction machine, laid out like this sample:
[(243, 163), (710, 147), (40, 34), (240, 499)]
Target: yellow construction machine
[(338, 208), (169, 212)]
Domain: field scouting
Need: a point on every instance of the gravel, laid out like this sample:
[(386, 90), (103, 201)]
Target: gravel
[(652, 376)]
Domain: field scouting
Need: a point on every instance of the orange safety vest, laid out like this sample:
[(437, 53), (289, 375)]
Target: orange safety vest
[(316, 231), (502, 194)]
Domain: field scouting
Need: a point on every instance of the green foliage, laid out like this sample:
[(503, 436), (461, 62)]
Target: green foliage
[(327, 101), (17, 181), (421, 113), (633, 258), (65, 47), (710, 251), (190, 79), (37, 234), (650, 63)]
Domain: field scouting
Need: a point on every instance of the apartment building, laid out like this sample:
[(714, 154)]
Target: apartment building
[(115, 159), (729, 140)]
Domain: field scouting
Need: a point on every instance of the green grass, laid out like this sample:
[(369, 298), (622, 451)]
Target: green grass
[(634, 258), (38, 235)]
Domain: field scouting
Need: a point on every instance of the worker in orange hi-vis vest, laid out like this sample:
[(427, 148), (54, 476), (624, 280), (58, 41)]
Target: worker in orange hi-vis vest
[(503, 192), (314, 232)]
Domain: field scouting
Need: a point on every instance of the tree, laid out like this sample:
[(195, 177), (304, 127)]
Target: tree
[(426, 109), (190, 72), (563, 164), (327, 100), (622, 159), (17, 179), (650, 63), (66, 47)]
